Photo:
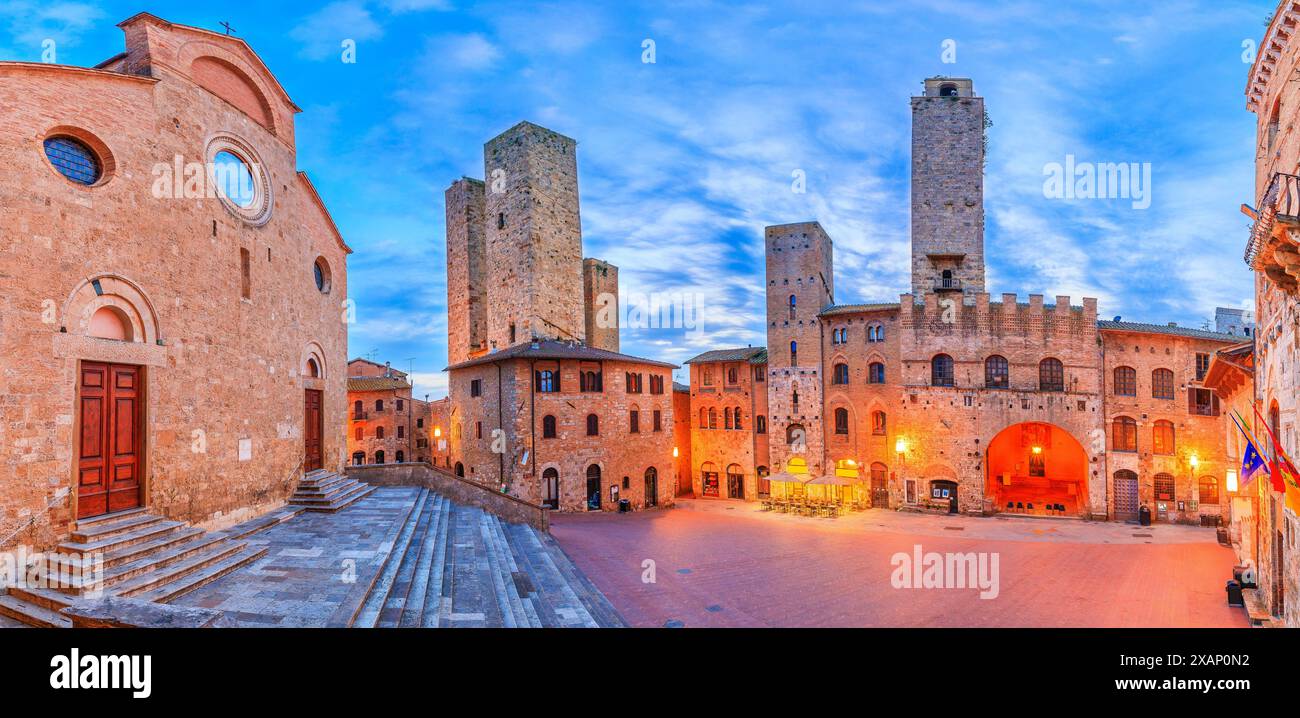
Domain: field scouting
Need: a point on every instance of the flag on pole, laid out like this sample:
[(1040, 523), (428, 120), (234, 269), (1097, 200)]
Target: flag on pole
[(1252, 464), (1286, 478)]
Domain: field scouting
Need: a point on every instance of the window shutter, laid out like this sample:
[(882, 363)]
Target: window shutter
[(557, 378), (1214, 404), (1191, 401)]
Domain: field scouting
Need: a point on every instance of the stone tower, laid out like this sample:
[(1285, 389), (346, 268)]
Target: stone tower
[(466, 260), (534, 237), (600, 303), (800, 284), (948, 188)]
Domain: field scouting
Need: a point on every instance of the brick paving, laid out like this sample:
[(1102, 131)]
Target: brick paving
[(726, 564)]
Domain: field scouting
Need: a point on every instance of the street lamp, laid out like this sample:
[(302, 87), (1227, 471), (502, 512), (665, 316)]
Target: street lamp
[(1231, 483), (900, 446)]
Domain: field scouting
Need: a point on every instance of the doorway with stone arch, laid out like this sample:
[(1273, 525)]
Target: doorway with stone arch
[(1038, 469)]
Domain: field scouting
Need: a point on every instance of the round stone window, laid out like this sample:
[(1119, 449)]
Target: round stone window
[(74, 159), (321, 273), (239, 179)]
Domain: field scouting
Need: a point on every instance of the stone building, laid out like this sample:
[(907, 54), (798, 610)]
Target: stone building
[(1273, 251), (384, 422), (538, 406), (948, 399), (729, 407), (171, 286), (682, 437)]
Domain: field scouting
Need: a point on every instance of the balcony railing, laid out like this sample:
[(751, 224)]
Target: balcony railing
[(1281, 201), (947, 284)]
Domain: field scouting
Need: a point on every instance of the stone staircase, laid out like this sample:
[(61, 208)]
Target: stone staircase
[(327, 491), (458, 566), (145, 557)]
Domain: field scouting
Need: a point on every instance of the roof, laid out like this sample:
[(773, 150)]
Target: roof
[(551, 349), (1166, 329), (834, 310), (376, 383), (753, 355)]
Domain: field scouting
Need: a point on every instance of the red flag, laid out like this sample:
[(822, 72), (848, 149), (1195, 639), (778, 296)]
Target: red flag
[(1279, 463)]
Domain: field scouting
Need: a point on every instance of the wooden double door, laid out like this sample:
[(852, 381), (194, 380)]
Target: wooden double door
[(110, 440), (313, 430)]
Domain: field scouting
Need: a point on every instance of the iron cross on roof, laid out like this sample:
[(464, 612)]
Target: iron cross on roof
[(229, 30)]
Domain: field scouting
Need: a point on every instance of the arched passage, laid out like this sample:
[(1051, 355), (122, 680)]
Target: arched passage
[(1036, 468)]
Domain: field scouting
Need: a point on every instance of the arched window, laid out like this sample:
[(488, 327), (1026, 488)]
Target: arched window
[(634, 421), (735, 417), (379, 457), (548, 381), (841, 374), (794, 434), (842, 421), (878, 425), (1124, 434), (1126, 379), (876, 373), (1164, 487), (941, 371), (313, 369), (794, 353), (548, 427), (1162, 384), (726, 418), (379, 404), (1207, 488), (379, 432), (1162, 437), (875, 333), (589, 381), (360, 433), (593, 487), (1051, 375), (704, 418), (651, 487), (794, 303), (947, 90), (997, 373), (760, 424), (713, 417), (358, 412), (593, 425), (359, 458), (732, 376), (460, 469), (401, 457)]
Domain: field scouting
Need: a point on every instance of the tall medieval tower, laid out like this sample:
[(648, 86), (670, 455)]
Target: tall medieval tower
[(534, 238), (948, 189), (800, 284), (466, 271)]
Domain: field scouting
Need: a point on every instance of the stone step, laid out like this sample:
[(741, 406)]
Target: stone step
[(109, 517), (263, 523), (412, 611), (100, 531), (590, 597), (349, 609), (210, 572), (32, 614), (153, 580), (436, 603), (323, 484), (342, 502), (469, 589), (555, 598), (390, 615), (134, 552), (153, 561), (46, 598), (525, 581), (121, 541), (368, 616), (327, 496)]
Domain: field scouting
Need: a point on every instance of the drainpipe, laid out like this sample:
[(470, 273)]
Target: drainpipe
[(501, 457)]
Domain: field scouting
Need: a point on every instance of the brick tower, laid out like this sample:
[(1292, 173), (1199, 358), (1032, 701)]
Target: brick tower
[(800, 284), (534, 237), (600, 303), (466, 260), (948, 188)]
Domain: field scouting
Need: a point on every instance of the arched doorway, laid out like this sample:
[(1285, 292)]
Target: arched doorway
[(709, 479), (379, 457), (359, 458), (460, 469), (593, 488), (1126, 495), (1039, 469), (764, 485), (879, 486), (551, 489), (735, 482), (651, 487)]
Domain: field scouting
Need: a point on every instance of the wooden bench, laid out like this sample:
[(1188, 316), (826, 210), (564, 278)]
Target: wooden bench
[(1254, 599)]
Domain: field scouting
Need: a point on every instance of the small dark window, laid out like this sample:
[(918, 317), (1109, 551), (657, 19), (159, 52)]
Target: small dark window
[(634, 421), (501, 220), (760, 424), (476, 387), (658, 420), (478, 430), (401, 457), (794, 353), (401, 431), (379, 405), (74, 160), (842, 421), (941, 371), (593, 425), (379, 432), (419, 423), (876, 373), (735, 415), (1202, 365), (948, 90), (548, 427), (401, 405), (841, 375), (379, 457), (245, 274), (1051, 375), (548, 381)]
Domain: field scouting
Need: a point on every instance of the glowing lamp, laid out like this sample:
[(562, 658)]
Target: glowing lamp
[(437, 431), (851, 462), (1231, 483), (1193, 461), (900, 446), (675, 452), (1038, 449)]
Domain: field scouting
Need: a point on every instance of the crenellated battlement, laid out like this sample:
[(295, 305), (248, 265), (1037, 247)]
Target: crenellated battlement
[(938, 315)]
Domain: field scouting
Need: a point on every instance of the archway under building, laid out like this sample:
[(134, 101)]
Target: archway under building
[(1038, 469)]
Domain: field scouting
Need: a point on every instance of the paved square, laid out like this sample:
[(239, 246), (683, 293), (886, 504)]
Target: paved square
[(727, 564)]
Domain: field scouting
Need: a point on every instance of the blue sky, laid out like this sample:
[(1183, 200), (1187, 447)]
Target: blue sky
[(683, 162)]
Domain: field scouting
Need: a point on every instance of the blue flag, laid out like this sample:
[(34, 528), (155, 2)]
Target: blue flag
[(1252, 464)]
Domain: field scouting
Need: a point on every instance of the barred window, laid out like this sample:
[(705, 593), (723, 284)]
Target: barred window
[(1051, 375), (1126, 381), (1208, 488), (941, 371), (74, 160), (996, 372), (1164, 487), (1162, 384)]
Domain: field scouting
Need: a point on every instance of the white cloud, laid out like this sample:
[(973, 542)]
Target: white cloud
[(322, 33)]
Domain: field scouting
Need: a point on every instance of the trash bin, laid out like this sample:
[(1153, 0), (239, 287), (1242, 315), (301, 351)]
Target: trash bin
[(1144, 516), (1234, 594), (624, 506)]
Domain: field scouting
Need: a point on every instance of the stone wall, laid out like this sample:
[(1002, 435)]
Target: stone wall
[(600, 304), (466, 270), (721, 446), (459, 490)]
